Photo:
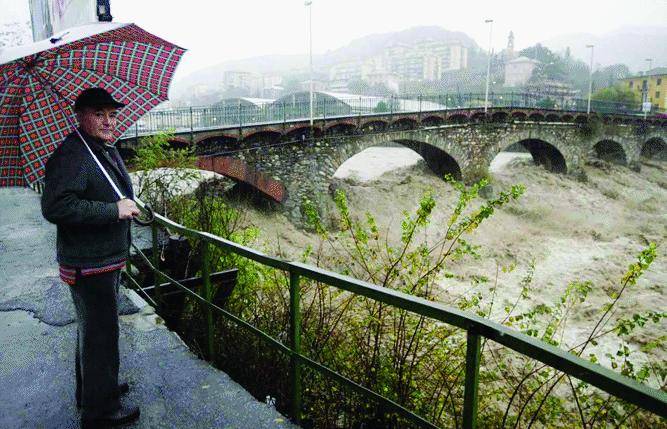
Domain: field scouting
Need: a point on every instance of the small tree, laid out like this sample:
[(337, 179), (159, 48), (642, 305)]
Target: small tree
[(616, 94), (162, 171), (381, 107)]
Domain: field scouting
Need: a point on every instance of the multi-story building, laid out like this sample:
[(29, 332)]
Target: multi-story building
[(519, 70), (651, 87), (238, 79), (346, 71), (425, 60)]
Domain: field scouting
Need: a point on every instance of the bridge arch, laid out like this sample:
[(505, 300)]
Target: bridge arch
[(457, 118), (519, 116), (499, 117), (299, 133), (654, 148), (432, 121), (239, 171), (611, 151), (224, 137), (210, 143), (374, 126), (340, 128), (268, 135), (440, 155), (404, 124), (545, 152)]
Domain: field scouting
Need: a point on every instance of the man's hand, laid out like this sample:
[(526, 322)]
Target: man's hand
[(127, 209)]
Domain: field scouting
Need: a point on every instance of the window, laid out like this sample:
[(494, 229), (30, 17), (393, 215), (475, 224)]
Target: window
[(630, 83), (659, 81), (657, 95)]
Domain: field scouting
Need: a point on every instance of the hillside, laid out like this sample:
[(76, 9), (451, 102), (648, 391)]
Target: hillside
[(630, 46)]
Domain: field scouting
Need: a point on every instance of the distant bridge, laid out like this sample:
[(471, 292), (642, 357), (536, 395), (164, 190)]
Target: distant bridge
[(288, 160)]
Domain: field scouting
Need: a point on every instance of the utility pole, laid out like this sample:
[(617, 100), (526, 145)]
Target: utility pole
[(650, 65), (488, 67), (590, 81), (308, 4)]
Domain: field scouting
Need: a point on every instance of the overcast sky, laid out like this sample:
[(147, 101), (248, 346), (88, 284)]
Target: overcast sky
[(214, 31)]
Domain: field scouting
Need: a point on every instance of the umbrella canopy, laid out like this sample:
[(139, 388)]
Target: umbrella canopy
[(40, 82)]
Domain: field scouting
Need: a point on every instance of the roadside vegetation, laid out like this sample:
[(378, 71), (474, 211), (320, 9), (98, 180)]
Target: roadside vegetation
[(414, 361)]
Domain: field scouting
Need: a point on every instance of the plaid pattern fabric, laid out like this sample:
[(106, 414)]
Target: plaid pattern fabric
[(68, 274), (134, 66)]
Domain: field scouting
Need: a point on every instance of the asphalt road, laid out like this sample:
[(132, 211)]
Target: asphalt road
[(173, 388)]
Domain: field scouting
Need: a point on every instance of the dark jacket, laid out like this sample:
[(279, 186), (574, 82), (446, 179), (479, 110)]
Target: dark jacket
[(80, 201)]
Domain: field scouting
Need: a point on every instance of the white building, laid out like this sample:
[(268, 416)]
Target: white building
[(519, 71)]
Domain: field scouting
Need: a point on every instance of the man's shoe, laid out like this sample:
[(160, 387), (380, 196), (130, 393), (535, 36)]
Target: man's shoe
[(119, 417), (123, 387)]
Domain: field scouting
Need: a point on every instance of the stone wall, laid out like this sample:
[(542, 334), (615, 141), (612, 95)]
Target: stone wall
[(306, 166)]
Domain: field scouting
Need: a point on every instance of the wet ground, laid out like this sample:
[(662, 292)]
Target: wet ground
[(172, 387)]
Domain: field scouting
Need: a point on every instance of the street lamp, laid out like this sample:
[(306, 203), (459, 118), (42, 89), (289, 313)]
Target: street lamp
[(488, 67), (650, 64), (590, 81), (308, 4)]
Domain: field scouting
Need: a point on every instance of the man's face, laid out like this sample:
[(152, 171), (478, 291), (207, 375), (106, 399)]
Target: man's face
[(99, 122)]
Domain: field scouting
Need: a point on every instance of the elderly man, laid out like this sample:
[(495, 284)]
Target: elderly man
[(93, 238)]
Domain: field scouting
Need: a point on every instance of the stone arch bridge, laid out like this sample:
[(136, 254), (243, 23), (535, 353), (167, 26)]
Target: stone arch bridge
[(290, 161)]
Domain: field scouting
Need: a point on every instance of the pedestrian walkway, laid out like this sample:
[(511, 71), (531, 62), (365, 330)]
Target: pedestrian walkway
[(173, 388)]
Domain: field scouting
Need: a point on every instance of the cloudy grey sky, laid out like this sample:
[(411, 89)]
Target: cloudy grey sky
[(214, 31)]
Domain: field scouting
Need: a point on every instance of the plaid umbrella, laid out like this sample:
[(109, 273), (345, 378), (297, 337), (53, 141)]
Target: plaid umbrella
[(40, 82)]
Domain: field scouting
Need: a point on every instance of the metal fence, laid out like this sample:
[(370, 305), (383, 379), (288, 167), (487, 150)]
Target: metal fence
[(191, 119), (476, 328)]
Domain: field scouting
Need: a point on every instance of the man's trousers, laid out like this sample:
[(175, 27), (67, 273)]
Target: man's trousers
[(97, 358)]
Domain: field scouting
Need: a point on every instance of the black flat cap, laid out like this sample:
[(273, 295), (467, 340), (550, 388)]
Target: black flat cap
[(96, 97)]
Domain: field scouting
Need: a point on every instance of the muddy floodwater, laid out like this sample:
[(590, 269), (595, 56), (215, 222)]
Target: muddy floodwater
[(570, 230)]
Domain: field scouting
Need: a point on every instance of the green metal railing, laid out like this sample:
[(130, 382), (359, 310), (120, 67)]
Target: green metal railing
[(236, 115), (476, 327)]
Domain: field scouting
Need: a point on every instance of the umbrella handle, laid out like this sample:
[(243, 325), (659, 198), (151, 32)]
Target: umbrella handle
[(147, 222)]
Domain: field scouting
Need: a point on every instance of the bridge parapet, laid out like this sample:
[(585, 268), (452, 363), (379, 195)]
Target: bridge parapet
[(306, 166)]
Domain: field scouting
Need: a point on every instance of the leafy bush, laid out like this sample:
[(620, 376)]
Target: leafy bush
[(415, 361), (161, 170)]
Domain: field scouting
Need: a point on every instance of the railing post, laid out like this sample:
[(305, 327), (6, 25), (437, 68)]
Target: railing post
[(471, 381), (391, 108), (282, 103), (192, 127), (295, 337), (157, 278), (208, 294), (240, 121), (419, 115)]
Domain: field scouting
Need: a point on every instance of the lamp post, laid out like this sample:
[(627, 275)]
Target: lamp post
[(590, 81), (650, 65), (645, 91), (488, 67), (308, 4)]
